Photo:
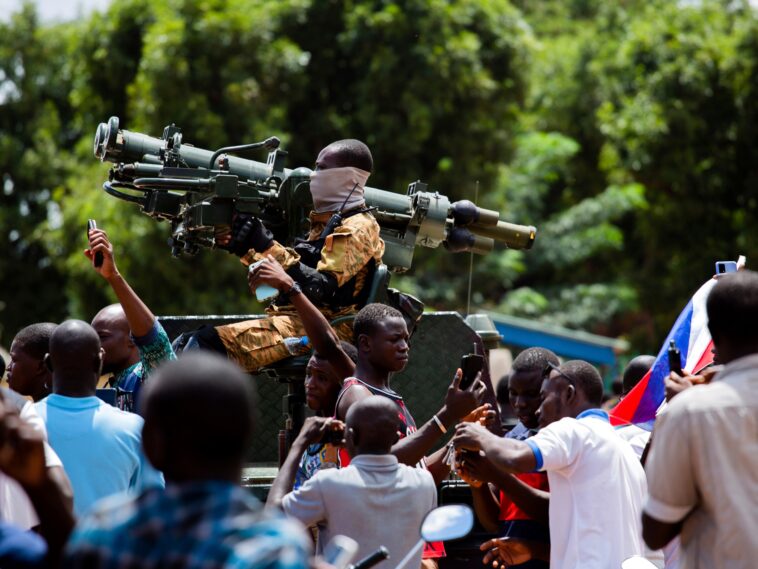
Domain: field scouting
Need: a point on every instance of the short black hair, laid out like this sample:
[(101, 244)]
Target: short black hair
[(352, 152), (75, 351), (35, 339), (347, 347), (587, 379), (732, 307), (635, 370), (375, 423), (350, 350), (203, 405), (369, 317), (534, 359)]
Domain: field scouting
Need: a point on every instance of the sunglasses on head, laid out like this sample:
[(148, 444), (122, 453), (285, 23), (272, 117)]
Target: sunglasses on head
[(551, 367)]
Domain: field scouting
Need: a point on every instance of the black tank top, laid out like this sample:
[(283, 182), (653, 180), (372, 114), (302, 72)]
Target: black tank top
[(409, 425)]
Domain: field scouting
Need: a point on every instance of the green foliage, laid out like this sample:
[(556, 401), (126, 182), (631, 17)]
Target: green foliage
[(575, 242), (433, 87), (626, 131), (34, 112)]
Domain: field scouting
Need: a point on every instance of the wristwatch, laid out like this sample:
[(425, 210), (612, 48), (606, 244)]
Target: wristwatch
[(294, 289)]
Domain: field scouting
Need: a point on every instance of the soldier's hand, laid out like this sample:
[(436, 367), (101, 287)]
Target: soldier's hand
[(99, 243), (222, 235), (271, 273)]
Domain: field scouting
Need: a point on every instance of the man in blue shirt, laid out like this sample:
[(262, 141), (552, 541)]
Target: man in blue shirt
[(133, 340), (197, 431), (99, 445)]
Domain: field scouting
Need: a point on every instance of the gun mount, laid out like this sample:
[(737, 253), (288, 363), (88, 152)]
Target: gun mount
[(196, 189)]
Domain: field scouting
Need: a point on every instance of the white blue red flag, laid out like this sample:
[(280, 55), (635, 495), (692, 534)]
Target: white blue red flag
[(691, 335)]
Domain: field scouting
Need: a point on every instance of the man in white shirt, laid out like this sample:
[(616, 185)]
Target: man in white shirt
[(375, 500), (597, 485), (703, 463)]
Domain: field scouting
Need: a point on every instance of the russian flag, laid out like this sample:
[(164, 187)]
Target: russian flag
[(691, 335)]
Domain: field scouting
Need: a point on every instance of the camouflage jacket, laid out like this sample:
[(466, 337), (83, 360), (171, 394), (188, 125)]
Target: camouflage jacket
[(346, 253)]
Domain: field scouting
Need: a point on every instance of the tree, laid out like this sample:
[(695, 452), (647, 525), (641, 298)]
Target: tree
[(34, 113), (434, 88)]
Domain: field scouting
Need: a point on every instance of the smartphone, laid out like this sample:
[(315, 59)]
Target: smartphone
[(675, 359), (91, 224), (471, 365), (723, 267), (340, 551)]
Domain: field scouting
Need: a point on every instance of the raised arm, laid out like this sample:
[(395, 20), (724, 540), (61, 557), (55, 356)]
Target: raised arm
[(139, 316), (458, 404), (321, 335)]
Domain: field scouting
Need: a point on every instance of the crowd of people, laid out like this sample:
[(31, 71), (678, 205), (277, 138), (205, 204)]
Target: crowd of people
[(152, 478)]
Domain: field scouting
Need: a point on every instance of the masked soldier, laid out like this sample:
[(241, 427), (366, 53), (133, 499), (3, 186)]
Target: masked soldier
[(333, 267)]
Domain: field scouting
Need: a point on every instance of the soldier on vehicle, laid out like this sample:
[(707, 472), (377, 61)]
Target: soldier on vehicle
[(333, 267)]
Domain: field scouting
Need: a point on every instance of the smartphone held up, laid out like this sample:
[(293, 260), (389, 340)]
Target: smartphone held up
[(98, 261), (471, 365)]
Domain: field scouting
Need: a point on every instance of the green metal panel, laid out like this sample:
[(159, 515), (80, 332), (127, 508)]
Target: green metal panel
[(440, 340)]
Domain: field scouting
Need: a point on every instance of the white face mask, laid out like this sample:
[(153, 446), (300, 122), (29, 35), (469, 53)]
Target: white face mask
[(330, 188)]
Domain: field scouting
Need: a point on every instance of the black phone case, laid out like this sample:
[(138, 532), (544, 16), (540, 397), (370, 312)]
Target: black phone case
[(471, 364), (675, 360)]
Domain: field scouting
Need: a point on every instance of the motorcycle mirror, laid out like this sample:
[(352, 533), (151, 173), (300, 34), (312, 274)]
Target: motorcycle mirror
[(447, 522)]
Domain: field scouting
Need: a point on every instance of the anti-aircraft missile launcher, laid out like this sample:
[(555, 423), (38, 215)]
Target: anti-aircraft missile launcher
[(196, 189)]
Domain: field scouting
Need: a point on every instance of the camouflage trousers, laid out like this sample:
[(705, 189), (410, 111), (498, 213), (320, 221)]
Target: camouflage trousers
[(257, 343)]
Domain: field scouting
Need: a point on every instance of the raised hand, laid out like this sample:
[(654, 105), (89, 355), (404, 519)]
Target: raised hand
[(271, 273), (99, 243), (458, 402)]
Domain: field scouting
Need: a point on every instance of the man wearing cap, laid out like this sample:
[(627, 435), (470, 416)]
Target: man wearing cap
[(332, 268)]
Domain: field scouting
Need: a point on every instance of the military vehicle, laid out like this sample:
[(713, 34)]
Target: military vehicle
[(194, 190)]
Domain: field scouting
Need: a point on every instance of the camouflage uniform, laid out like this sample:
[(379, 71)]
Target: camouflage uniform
[(346, 255)]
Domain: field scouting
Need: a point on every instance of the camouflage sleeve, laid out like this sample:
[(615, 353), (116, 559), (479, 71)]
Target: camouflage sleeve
[(352, 245), (154, 349), (286, 256)]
